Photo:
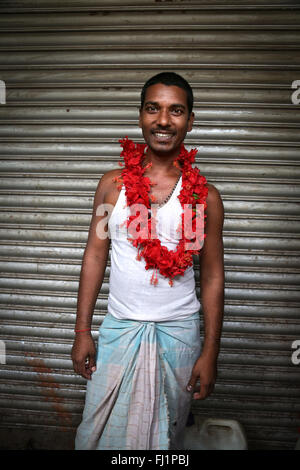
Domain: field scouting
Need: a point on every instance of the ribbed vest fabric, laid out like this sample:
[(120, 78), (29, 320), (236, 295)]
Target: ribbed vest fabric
[(131, 295)]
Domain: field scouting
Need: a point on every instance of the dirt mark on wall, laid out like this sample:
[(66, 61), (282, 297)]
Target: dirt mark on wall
[(49, 389)]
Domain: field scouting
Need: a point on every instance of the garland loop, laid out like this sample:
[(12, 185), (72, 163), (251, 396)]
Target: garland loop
[(169, 263)]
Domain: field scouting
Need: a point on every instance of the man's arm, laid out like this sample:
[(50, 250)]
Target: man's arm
[(212, 296), (91, 278)]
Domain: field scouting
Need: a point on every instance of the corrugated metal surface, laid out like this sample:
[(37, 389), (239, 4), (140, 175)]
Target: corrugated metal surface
[(73, 75)]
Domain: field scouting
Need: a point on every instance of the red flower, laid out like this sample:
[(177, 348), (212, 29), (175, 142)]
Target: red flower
[(137, 187)]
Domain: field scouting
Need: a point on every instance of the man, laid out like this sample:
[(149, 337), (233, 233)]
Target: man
[(149, 358)]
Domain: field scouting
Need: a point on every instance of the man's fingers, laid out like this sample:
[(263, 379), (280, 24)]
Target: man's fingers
[(84, 356), (90, 365), (92, 362), (192, 383), (84, 367), (81, 370), (84, 370), (200, 392), (203, 392)]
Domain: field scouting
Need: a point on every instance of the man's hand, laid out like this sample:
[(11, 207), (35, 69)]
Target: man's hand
[(84, 355), (205, 369)]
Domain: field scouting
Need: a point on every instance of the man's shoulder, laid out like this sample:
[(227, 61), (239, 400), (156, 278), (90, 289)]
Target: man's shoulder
[(108, 185), (214, 199), (109, 179), (110, 176), (213, 192)]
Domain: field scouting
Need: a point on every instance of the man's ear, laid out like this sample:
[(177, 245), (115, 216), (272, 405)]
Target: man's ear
[(140, 117), (191, 122)]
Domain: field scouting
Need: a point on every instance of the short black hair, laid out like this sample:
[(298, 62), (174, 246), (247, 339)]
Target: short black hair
[(170, 79)]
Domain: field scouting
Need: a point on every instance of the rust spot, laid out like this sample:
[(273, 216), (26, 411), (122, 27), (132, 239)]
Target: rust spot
[(49, 387)]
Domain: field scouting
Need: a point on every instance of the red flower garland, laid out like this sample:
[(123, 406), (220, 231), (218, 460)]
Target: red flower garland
[(169, 263)]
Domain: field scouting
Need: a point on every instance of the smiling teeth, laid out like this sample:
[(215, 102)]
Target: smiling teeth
[(163, 135)]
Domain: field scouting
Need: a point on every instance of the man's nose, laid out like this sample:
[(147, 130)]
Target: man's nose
[(163, 118)]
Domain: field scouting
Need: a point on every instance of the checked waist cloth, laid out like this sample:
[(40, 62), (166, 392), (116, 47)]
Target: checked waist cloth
[(137, 397)]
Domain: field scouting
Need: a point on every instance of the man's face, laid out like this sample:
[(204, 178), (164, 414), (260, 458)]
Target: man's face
[(165, 119)]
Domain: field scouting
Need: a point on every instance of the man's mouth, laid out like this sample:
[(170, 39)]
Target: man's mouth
[(163, 135)]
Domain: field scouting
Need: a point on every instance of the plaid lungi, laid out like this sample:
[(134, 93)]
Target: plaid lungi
[(137, 397)]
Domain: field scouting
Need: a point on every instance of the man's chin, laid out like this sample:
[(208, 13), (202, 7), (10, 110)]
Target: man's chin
[(163, 148)]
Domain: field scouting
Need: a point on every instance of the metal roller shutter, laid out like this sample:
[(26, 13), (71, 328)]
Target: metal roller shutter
[(73, 72)]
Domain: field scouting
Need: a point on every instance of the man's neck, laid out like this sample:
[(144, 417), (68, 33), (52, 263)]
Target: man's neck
[(161, 164)]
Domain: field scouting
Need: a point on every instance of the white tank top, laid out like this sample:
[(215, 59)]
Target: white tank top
[(131, 295)]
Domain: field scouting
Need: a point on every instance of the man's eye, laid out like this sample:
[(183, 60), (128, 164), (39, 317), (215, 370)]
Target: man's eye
[(177, 111), (151, 109)]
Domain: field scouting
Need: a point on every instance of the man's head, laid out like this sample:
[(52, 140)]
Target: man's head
[(170, 79), (166, 113)]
